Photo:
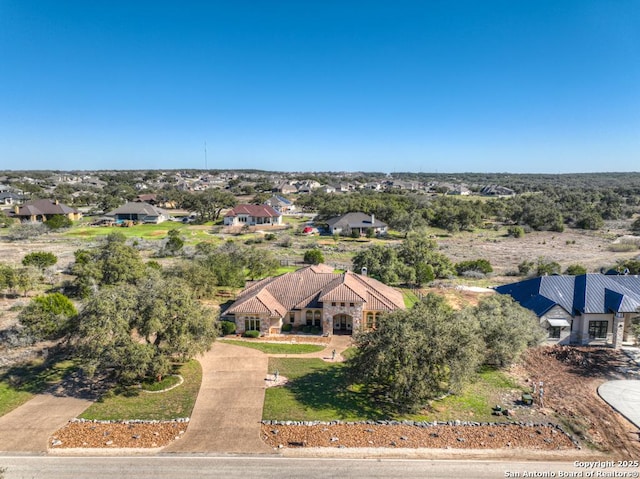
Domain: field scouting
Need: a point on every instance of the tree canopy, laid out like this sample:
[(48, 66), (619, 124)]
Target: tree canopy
[(417, 354), (135, 331), (47, 316)]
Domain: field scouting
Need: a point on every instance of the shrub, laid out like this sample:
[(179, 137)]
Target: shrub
[(525, 267), (57, 222), (313, 256), (251, 334), (481, 265), (545, 267), (515, 231), (286, 327), (306, 329), (315, 330), (228, 327), (269, 236), (575, 270)]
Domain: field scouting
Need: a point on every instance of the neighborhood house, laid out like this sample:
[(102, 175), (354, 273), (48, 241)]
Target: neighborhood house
[(252, 215), (42, 210), (139, 212), (359, 222), (313, 296), (586, 309)]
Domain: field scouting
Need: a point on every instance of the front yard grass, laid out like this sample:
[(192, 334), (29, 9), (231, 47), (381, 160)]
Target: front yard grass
[(320, 391), (276, 348), (20, 383), (133, 403)]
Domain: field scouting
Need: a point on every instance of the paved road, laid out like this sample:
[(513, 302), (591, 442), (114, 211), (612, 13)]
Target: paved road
[(265, 467), (228, 410), (28, 427), (624, 396)]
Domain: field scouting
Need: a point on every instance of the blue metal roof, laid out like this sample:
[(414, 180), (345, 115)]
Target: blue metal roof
[(587, 293)]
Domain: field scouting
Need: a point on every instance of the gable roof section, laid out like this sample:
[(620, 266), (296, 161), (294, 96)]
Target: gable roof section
[(355, 220), (137, 208), (257, 211), (45, 207), (309, 287), (584, 294)]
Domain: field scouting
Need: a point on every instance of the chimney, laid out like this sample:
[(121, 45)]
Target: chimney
[(16, 209), (373, 219), (363, 271)]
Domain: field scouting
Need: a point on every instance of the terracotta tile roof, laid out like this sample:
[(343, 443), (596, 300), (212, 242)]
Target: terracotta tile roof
[(257, 211), (309, 287)]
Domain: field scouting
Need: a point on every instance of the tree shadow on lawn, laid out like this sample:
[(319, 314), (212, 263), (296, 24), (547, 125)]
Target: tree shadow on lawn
[(330, 389)]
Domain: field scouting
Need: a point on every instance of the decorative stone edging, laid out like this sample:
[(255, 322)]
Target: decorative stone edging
[(424, 424), (129, 421)]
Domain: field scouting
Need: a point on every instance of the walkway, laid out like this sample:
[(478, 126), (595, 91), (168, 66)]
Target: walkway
[(623, 395), (227, 414), (338, 343), (28, 427)]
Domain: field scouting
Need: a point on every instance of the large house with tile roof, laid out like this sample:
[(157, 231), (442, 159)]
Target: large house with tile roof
[(252, 215), (586, 309), (313, 296)]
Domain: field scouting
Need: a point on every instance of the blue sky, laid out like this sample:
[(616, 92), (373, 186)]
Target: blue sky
[(321, 85)]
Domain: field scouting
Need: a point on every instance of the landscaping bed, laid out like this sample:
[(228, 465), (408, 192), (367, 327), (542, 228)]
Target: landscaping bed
[(129, 434), (498, 436)]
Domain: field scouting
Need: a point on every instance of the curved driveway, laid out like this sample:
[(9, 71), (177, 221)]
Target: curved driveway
[(623, 395)]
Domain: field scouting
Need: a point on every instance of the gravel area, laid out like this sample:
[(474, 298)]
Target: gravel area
[(117, 435), (404, 436), (154, 435)]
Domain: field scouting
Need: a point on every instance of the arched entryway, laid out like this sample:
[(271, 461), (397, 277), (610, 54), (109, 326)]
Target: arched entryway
[(342, 324)]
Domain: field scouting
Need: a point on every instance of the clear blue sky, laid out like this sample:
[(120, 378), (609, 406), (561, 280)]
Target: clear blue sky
[(321, 85)]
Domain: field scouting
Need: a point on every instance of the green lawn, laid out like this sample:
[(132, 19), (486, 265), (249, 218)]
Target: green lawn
[(132, 403), (276, 348), (317, 391), (11, 398), (191, 234), (320, 391), (20, 383), (409, 297)]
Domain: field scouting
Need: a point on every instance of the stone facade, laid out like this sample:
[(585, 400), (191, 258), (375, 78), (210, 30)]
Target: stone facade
[(332, 309)]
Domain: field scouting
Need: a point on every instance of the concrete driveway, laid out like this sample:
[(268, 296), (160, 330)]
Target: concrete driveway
[(623, 395), (28, 427), (228, 410)]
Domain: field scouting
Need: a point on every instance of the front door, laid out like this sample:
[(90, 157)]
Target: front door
[(342, 323)]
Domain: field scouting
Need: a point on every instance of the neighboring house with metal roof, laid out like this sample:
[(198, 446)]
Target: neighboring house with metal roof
[(586, 309), (139, 212), (252, 215), (313, 296), (283, 205), (361, 222), (42, 210)]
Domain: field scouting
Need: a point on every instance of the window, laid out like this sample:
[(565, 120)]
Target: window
[(342, 305), (598, 329), (251, 324), (333, 304), (351, 305), (292, 317), (554, 332), (309, 318), (317, 318), (369, 321)]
